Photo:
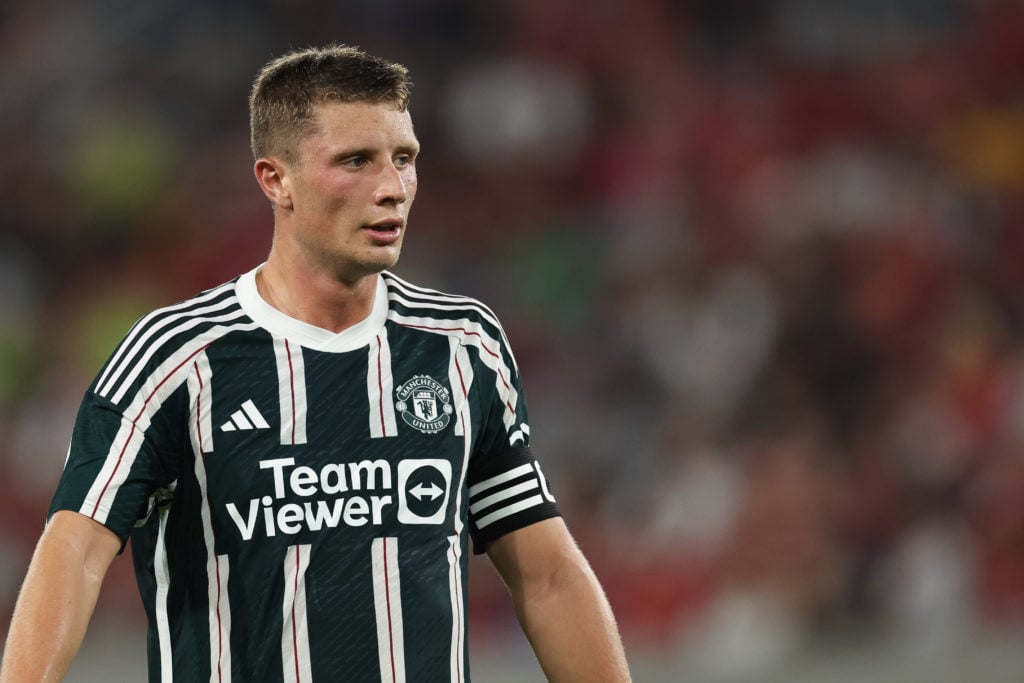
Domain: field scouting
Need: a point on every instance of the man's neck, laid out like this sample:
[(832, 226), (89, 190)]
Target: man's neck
[(315, 297)]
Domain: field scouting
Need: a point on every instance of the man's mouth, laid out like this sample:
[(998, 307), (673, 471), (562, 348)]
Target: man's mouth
[(385, 232), (389, 226)]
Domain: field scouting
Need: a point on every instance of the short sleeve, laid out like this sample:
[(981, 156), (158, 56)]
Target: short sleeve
[(507, 493), (117, 462), (507, 487)]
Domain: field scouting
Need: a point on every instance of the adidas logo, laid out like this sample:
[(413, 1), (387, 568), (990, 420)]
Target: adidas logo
[(245, 418)]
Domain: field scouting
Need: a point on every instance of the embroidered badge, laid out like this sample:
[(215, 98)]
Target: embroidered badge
[(424, 404)]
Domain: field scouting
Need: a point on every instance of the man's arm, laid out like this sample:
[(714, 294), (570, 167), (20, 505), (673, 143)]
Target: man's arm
[(560, 604), (57, 598)]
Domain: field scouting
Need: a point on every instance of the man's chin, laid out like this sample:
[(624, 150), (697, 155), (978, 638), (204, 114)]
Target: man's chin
[(380, 260), (386, 258)]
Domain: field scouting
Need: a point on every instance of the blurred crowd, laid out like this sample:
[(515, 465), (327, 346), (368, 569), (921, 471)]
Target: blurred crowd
[(762, 264)]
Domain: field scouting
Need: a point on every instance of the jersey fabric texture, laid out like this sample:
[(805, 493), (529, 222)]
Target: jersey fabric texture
[(300, 503)]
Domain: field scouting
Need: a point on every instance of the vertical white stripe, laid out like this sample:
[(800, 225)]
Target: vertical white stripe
[(200, 394), (118, 463), (387, 602), (221, 628), (460, 374), (291, 376), (162, 574), (460, 379), (458, 607), (219, 617), (297, 666), (380, 388)]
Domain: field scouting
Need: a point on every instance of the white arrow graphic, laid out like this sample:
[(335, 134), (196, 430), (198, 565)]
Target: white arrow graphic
[(431, 491)]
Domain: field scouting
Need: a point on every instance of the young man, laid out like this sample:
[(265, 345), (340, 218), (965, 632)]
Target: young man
[(300, 455)]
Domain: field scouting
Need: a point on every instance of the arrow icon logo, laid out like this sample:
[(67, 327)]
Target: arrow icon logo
[(430, 491)]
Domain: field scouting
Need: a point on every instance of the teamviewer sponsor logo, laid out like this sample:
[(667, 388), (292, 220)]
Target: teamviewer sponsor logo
[(424, 485), (352, 494)]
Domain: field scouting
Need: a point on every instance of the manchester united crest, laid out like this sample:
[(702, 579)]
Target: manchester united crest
[(424, 404)]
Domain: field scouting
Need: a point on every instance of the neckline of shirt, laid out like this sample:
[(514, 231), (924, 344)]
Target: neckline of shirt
[(310, 336)]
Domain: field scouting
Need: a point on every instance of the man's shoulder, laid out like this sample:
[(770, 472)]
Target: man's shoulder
[(199, 302), (210, 306), (404, 292), (169, 334), (410, 299)]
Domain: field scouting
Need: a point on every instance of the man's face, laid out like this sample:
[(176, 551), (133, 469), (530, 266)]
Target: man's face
[(352, 184)]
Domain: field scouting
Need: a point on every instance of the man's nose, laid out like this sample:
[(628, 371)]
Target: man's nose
[(392, 186)]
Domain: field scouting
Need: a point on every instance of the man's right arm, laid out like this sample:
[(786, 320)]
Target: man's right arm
[(57, 598)]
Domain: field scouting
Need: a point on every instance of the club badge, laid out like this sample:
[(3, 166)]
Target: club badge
[(424, 404)]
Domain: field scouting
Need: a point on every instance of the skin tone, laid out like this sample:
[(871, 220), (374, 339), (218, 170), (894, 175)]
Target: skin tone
[(560, 604), (341, 206), (57, 598)]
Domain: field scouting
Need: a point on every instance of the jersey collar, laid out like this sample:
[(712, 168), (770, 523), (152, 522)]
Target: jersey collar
[(310, 336)]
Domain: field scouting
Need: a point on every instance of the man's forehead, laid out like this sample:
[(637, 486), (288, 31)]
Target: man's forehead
[(363, 119), (372, 112)]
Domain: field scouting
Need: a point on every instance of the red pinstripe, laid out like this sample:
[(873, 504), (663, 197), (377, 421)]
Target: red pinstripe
[(380, 386), (458, 585), (291, 384), (295, 635), (387, 600)]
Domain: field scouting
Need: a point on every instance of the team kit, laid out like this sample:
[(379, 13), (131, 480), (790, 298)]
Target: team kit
[(347, 473)]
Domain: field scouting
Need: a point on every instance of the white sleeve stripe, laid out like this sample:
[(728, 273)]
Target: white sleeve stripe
[(504, 494), (463, 302), (509, 510), (500, 479), (147, 328), (139, 365), (453, 326), (445, 304), (435, 295)]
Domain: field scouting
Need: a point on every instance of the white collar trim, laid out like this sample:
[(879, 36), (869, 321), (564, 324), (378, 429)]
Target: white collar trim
[(311, 336)]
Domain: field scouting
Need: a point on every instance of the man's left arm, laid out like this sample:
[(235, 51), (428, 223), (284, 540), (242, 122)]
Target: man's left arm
[(560, 604)]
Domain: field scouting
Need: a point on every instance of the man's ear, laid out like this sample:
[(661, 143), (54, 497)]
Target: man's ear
[(273, 176)]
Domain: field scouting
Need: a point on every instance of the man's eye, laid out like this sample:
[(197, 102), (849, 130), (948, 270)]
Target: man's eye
[(355, 162)]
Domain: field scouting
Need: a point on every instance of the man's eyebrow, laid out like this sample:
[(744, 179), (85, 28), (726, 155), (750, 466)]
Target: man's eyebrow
[(411, 148)]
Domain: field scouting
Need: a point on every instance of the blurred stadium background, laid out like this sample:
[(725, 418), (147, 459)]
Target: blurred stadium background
[(762, 263)]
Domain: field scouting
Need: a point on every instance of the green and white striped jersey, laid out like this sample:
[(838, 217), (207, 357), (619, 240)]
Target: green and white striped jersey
[(299, 502)]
